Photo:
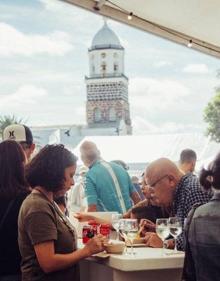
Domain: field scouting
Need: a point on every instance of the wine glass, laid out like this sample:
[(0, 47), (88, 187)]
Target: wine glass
[(123, 230), (115, 223), (132, 226), (162, 230), (175, 225)]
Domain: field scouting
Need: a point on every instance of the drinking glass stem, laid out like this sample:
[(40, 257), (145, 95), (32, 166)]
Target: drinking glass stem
[(126, 249), (163, 249), (117, 234), (175, 247), (132, 248)]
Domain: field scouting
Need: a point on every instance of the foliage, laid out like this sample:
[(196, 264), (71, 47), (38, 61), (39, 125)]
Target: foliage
[(212, 117), (7, 120)]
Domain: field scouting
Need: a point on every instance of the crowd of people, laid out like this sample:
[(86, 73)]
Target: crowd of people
[(37, 239)]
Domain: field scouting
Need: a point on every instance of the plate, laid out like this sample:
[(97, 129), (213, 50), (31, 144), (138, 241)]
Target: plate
[(137, 245), (102, 255)]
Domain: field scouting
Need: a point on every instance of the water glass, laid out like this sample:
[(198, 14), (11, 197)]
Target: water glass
[(175, 225), (115, 223), (123, 230), (163, 230), (132, 226)]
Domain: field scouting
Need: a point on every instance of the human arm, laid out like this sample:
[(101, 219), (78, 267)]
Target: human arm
[(91, 194), (151, 239), (42, 231), (50, 261), (146, 226), (82, 217), (142, 203), (135, 197), (133, 193)]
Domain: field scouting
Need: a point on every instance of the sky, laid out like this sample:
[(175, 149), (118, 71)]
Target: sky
[(44, 59)]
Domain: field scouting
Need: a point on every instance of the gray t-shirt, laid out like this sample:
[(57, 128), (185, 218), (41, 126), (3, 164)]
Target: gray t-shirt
[(39, 221)]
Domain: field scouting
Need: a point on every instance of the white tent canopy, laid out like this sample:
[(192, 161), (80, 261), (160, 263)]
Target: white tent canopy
[(195, 21), (144, 149)]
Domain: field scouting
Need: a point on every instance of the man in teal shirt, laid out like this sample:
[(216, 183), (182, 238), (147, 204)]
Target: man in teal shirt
[(108, 186)]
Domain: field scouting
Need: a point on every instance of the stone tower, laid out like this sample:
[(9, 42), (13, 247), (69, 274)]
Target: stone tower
[(107, 86)]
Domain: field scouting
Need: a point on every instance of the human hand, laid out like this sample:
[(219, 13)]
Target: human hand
[(153, 240), (146, 191), (146, 226), (127, 215), (95, 245)]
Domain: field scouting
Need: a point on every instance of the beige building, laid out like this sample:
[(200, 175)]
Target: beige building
[(107, 85)]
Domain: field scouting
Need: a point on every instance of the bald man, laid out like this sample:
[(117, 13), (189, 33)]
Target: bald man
[(108, 186), (174, 190)]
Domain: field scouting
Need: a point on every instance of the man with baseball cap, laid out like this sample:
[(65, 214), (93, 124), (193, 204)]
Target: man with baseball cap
[(21, 134)]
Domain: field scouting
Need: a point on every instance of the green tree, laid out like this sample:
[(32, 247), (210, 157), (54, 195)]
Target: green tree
[(6, 120), (212, 117)]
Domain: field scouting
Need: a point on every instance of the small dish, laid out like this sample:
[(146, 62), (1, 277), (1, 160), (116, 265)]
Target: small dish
[(115, 247)]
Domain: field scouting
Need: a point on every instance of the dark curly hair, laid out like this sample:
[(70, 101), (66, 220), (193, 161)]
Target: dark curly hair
[(47, 168), (210, 177), (12, 161)]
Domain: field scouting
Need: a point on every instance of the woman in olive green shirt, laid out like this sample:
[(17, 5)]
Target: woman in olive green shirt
[(46, 239)]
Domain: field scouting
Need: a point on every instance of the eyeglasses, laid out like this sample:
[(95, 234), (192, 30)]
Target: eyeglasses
[(157, 181)]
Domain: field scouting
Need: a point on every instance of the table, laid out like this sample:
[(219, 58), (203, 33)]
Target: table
[(147, 265)]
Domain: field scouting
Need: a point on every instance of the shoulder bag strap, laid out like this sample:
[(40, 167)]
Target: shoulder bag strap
[(116, 183), (6, 213), (66, 221)]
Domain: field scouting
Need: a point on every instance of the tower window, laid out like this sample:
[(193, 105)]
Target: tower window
[(103, 55), (93, 69), (115, 67), (103, 67), (97, 115), (112, 114)]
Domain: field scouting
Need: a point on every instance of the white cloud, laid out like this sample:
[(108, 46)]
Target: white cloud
[(142, 127), (199, 68), (51, 5), (162, 63), (154, 94), (67, 13), (26, 95), (26, 73), (14, 42)]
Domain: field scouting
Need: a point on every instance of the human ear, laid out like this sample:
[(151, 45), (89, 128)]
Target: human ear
[(172, 181)]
